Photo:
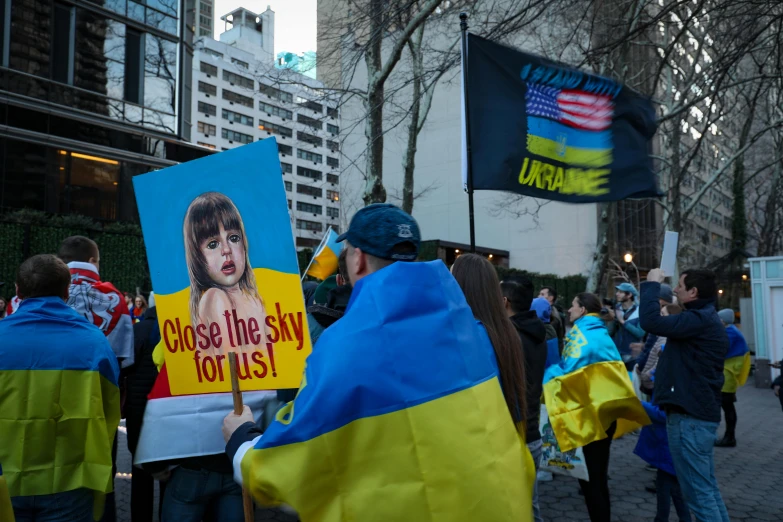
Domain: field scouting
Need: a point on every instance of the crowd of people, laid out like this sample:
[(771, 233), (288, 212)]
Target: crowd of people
[(467, 358)]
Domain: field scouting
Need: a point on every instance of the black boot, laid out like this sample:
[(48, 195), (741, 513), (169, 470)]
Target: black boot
[(726, 442)]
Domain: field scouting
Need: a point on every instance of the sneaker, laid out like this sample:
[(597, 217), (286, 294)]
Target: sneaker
[(544, 476), (726, 442)]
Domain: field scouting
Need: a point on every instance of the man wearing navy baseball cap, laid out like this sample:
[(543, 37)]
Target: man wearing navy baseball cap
[(379, 235), (626, 317)]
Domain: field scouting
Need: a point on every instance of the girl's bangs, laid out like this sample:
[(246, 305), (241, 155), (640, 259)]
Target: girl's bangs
[(207, 216)]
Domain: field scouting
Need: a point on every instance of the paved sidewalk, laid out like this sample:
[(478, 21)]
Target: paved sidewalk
[(749, 475)]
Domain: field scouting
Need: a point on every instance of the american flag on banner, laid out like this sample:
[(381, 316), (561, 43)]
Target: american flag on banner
[(574, 108)]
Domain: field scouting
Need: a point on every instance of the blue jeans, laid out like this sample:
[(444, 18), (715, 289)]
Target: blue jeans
[(193, 495), (536, 450), (69, 506), (691, 443)]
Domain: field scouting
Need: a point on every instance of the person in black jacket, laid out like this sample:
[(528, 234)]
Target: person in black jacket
[(140, 379), (688, 383), (518, 296)]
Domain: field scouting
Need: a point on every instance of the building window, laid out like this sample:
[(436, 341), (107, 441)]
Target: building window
[(307, 207), (207, 145), (333, 195), (285, 150), (333, 179), (332, 129), (276, 111), (207, 129), (309, 156), (240, 63), (207, 88), (134, 65), (289, 204), (274, 128), (332, 113), (333, 212), (237, 98), (276, 93), (204, 32), (287, 168), (62, 43), (315, 107), (236, 136), (332, 145), (206, 108), (288, 186), (213, 53), (237, 118), (208, 68), (205, 8), (236, 79), (308, 190), (313, 226), (205, 21), (309, 173), (309, 138), (333, 162), (310, 122)]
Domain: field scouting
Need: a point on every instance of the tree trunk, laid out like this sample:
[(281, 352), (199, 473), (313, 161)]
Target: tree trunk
[(374, 191), (676, 179), (601, 249), (409, 158), (771, 235)]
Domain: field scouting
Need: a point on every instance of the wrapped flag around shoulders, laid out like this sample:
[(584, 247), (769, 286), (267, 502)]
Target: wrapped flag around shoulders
[(550, 131), (6, 510), (589, 388), (400, 415), (736, 367), (324, 261)]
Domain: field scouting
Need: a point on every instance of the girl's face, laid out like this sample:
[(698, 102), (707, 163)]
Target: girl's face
[(225, 256), (139, 303), (576, 311), (128, 300), (3, 305)]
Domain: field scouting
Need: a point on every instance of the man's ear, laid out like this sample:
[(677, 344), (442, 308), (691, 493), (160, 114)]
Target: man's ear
[(360, 260)]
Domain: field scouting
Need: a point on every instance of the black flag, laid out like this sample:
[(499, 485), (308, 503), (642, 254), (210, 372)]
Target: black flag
[(549, 131)]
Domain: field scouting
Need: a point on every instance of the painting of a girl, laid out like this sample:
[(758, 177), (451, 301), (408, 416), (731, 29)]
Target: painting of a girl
[(221, 276)]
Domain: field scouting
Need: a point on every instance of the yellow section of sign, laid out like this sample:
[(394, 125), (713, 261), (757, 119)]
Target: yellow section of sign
[(271, 351)]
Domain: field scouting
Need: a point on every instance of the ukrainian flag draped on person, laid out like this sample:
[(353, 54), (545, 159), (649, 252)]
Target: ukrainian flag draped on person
[(589, 388), (736, 367), (6, 510), (400, 415)]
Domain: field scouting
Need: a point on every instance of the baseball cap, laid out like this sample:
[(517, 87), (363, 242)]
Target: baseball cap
[(542, 308), (727, 316), (628, 287), (666, 293), (378, 228)]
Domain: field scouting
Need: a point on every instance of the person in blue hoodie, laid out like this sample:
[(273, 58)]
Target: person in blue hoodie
[(543, 311), (653, 448)]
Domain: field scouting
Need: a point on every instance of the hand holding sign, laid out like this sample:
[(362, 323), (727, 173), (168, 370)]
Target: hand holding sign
[(656, 275)]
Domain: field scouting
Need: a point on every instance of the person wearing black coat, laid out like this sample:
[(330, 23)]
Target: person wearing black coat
[(140, 379), (518, 297), (688, 383)]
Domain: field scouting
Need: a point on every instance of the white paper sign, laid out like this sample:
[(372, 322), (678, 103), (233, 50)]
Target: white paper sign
[(669, 256)]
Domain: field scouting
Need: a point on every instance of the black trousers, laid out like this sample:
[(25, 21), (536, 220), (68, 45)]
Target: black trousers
[(727, 403), (596, 491), (668, 490)]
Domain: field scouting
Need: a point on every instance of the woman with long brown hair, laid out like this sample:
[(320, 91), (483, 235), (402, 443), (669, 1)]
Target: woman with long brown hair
[(479, 282)]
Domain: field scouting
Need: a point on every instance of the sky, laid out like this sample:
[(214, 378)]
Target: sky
[(295, 21)]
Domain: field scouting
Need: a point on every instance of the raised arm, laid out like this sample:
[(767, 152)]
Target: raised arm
[(673, 326)]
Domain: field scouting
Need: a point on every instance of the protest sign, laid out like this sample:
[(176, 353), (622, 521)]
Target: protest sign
[(224, 271)]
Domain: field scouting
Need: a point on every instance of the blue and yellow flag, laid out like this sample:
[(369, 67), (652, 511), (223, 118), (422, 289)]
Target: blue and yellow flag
[(589, 389), (6, 510), (59, 401), (400, 415), (736, 367), (325, 258)]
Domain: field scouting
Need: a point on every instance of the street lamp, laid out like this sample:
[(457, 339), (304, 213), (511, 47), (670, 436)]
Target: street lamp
[(456, 250), (628, 257), (744, 277), (720, 292)]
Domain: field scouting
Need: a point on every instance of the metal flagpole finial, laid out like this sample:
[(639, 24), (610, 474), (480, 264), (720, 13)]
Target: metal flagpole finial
[(463, 21)]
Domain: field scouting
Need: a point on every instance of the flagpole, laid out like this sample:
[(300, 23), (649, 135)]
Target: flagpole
[(463, 24), (326, 235)]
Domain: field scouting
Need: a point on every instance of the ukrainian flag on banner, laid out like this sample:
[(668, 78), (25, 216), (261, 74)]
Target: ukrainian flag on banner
[(6, 511), (400, 415), (59, 401), (736, 367), (324, 261), (589, 389)]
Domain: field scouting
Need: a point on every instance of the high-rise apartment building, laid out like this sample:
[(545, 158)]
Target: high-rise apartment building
[(204, 18), (240, 97), (91, 94)]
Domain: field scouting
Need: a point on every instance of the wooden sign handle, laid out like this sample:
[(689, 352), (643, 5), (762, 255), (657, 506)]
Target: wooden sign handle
[(247, 500)]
